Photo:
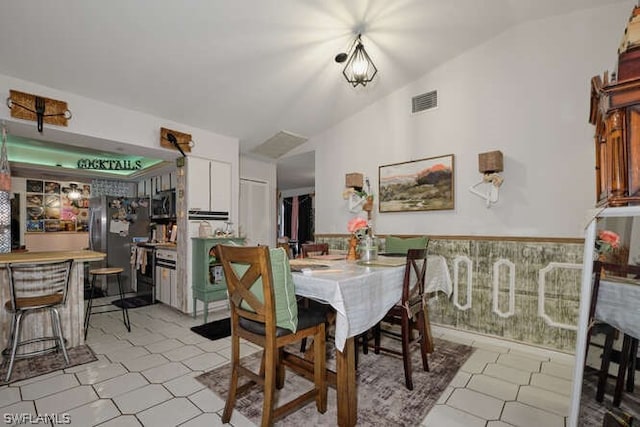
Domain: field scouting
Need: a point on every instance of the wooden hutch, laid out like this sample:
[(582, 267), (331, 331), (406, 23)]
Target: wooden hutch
[(615, 112)]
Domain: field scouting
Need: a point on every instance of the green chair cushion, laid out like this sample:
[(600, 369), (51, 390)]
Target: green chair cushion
[(398, 245), (284, 289)]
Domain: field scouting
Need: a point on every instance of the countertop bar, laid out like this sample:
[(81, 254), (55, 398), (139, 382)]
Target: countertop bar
[(36, 257), (72, 315)]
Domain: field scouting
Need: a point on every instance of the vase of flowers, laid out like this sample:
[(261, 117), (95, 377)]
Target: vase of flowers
[(358, 227), (368, 248), (606, 242)]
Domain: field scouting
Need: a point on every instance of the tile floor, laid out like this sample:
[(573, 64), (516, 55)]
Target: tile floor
[(146, 377)]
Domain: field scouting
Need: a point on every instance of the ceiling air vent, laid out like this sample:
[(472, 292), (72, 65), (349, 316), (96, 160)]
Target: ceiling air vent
[(426, 101)]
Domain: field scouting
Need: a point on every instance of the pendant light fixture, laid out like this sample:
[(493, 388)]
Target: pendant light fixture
[(359, 69)]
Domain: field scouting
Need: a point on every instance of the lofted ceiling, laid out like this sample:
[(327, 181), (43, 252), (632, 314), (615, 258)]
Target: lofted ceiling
[(246, 68)]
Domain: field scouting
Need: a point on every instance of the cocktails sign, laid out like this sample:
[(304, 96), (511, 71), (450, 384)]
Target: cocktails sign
[(110, 164)]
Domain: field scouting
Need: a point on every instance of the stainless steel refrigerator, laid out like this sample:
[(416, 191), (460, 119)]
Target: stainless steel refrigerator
[(114, 222)]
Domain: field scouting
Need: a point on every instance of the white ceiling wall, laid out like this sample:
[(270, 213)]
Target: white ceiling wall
[(526, 93), (244, 68)]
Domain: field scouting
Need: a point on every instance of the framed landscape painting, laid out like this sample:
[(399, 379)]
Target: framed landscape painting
[(418, 185)]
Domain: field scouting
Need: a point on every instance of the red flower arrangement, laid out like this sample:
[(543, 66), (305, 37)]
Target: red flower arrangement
[(358, 226), (607, 241)]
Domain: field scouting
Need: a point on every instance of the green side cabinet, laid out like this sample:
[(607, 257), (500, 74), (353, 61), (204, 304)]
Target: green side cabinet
[(208, 282)]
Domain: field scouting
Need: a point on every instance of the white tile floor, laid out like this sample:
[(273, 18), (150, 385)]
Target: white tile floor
[(146, 377)]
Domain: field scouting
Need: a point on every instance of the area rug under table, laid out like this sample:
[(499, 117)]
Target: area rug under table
[(39, 365), (383, 398)]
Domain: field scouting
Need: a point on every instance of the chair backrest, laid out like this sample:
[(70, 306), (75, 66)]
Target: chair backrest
[(414, 278), (246, 267), (286, 247), (400, 245), (314, 249), (39, 285)]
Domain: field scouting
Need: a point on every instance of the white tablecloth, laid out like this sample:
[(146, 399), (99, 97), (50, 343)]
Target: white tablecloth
[(618, 306), (362, 295), (437, 276)]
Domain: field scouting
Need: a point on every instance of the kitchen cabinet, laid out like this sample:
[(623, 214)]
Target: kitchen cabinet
[(166, 282), (209, 185), (153, 185), (208, 282)]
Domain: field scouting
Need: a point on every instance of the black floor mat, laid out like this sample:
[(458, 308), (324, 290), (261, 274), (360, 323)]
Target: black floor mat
[(134, 302), (97, 293), (214, 330)]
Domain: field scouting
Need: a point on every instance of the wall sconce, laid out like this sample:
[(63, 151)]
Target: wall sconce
[(489, 164), (359, 69)]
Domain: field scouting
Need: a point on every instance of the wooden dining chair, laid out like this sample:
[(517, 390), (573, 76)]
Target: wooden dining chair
[(314, 249), (286, 247), (262, 300), (629, 351), (307, 249), (411, 311)]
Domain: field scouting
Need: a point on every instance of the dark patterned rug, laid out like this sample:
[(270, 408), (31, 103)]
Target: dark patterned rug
[(382, 396), (39, 365), (592, 412)]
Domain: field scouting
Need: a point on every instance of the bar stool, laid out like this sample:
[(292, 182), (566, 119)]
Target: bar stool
[(33, 288), (108, 272)]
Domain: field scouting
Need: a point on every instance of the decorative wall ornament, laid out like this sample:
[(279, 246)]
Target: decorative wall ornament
[(456, 282), (512, 287), (5, 196), (541, 293), (5, 170), (176, 140), (38, 108)]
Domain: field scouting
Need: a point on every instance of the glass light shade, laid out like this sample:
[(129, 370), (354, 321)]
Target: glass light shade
[(359, 69)]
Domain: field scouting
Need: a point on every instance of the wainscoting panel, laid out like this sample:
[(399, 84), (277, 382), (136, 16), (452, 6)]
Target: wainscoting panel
[(522, 289)]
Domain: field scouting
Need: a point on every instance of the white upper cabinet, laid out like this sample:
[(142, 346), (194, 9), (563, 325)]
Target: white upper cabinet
[(209, 185), (220, 184)]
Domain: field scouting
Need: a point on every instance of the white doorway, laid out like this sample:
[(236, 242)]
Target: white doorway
[(254, 212)]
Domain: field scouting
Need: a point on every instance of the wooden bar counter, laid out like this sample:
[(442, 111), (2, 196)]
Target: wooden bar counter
[(72, 315)]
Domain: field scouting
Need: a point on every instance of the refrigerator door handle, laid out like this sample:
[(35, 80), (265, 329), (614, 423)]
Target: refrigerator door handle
[(91, 228)]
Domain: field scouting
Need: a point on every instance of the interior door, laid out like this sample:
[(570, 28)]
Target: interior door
[(255, 212)]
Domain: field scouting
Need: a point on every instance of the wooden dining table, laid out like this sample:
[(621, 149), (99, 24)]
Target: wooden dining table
[(361, 296)]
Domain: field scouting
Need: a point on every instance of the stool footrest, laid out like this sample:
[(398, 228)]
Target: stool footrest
[(7, 351)]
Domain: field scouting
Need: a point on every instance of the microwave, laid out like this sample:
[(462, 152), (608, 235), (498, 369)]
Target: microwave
[(163, 205)]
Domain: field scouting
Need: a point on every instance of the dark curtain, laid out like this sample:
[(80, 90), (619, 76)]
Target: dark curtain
[(305, 218), (286, 231)]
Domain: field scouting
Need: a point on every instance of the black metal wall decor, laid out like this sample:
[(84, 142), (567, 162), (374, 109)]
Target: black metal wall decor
[(38, 108)]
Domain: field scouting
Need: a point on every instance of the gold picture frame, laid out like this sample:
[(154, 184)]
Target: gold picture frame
[(417, 185)]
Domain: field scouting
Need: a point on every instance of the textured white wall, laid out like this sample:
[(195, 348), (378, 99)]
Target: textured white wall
[(526, 93)]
